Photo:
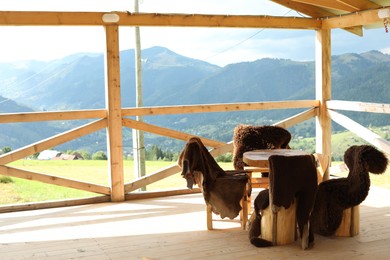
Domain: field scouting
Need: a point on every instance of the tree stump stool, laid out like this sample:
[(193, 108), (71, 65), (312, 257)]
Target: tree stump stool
[(282, 229), (350, 225)]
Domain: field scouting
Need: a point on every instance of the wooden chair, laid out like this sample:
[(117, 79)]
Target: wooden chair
[(224, 192), (248, 138), (257, 181), (256, 177), (350, 224), (243, 213)]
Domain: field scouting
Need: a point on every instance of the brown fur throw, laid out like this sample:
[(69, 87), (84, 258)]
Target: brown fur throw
[(223, 190), (261, 202), (248, 138), (336, 195), (291, 177)]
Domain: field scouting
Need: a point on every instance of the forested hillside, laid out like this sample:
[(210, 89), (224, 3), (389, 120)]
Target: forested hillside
[(77, 82)]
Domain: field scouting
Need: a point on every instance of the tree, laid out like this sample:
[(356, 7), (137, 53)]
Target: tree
[(100, 155), (85, 154), (6, 149)]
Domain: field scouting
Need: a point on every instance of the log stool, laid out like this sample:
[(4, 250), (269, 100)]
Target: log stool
[(349, 226), (280, 228)]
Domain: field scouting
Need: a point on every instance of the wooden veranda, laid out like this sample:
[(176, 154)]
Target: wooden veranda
[(172, 228), (124, 223), (321, 17)]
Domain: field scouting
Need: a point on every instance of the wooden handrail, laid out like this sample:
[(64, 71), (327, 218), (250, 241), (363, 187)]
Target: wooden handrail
[(226, 107), (51, 116), (358, 106)]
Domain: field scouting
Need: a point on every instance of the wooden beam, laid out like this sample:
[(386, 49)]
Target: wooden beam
[(227, 148), (361, 131), (167, 132), (48, 116), (316, 12), (147, 19), (113, 105), (296, 119), (357, 30), (53, 204), (358, 106), (207, 108), (52, 141), (323, 91), (54, 180), (353, 19), (231, 21), (151, 178), (28, 18)]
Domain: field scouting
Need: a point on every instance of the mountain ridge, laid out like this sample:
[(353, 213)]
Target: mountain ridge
[(77, 82)]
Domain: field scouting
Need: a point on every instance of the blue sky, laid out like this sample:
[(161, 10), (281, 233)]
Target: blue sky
[(218, 46)]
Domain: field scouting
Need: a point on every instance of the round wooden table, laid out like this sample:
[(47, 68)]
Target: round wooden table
[(259, 158), (285, 231)]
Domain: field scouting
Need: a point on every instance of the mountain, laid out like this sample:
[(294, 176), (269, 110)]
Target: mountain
[(77, 82), (57, 85), (164, 73), (19, 134)]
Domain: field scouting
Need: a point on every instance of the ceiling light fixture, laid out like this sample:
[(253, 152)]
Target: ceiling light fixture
[(110, 18), (384, 13)]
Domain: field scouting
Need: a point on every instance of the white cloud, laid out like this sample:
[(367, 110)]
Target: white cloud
[(385, 50)]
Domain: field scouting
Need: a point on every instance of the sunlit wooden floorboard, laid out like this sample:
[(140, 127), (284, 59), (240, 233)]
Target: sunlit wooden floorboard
[(173, 228)]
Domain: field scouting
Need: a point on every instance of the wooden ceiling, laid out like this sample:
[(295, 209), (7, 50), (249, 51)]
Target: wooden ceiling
[(323, 9)]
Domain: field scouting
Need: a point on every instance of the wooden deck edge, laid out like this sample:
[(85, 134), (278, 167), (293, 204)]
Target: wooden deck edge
[(92, 200), (53, 204), (156, 194)]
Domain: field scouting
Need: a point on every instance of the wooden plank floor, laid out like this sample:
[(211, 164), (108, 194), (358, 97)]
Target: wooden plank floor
[(173, 228)]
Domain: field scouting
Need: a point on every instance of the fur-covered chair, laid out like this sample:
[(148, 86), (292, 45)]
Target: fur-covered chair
[(248, 138), (336, 195), (293, 179), (222, 190)]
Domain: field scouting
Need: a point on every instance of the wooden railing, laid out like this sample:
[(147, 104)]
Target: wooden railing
[(218, 148), (100, 122), (355, 127)]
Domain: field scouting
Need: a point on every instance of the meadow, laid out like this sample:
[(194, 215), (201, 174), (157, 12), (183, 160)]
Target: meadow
[(95, 171)]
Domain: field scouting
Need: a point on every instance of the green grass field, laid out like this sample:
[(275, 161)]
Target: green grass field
[(22, 191)]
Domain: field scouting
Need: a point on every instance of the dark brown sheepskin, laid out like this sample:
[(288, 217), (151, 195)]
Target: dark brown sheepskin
[(223, 190), (291, 177), (261, 202), (336, 195), (248, 138)]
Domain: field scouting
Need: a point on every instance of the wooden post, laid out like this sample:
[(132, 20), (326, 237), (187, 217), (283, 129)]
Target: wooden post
[(323, 93), (113, 105)]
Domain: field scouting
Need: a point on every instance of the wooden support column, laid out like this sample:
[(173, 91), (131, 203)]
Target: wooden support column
[(113, 105), (323, 92)]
